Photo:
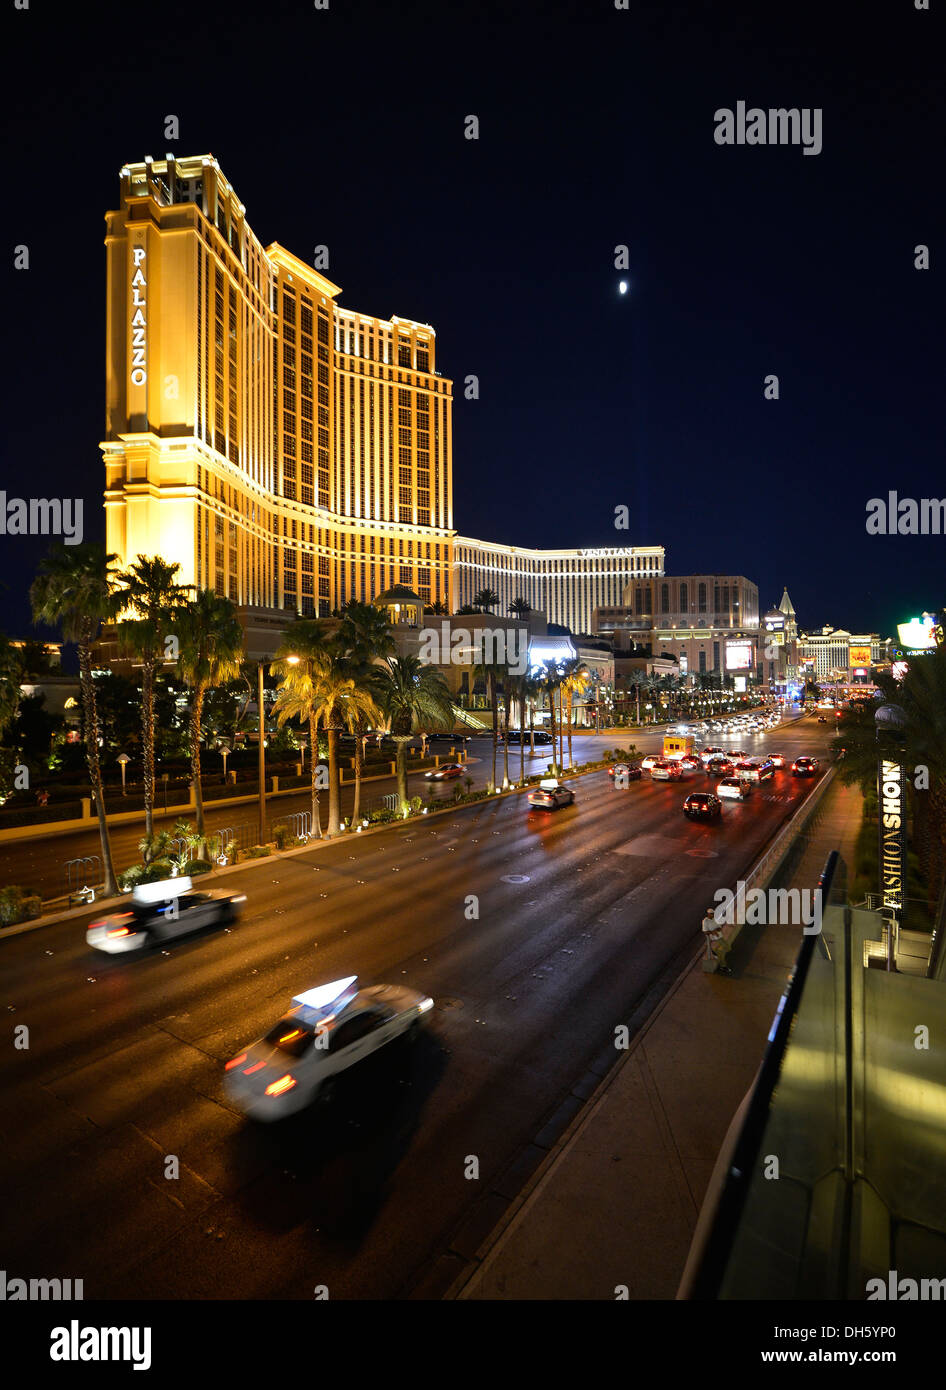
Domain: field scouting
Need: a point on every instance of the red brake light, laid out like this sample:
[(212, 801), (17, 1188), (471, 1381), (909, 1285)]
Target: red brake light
[(119, 931), (236, 1062), (278, 1088)]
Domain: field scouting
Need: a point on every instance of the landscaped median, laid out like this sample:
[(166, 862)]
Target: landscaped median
[(366, 826)]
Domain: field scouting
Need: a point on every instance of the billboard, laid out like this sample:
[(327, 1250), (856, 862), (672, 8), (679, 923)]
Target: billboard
[(917, 634), (738, 656), (858, 656), (739, 685)]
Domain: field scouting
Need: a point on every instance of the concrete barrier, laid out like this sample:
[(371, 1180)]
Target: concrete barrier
[(766, 868)]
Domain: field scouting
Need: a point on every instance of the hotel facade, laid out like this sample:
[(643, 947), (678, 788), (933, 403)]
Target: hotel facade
[(288, 453)]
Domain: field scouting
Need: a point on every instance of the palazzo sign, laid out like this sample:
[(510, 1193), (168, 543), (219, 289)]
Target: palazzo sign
[(139, 324)]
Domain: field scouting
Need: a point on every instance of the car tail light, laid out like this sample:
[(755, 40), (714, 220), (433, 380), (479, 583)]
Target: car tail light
[(119, 931), (280, 1087), (236, 1062), (238, 898)]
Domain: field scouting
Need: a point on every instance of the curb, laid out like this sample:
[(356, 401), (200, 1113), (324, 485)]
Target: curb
[(277, 856)]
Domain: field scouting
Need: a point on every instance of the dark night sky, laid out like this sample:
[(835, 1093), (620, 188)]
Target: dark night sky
[(346, 128)]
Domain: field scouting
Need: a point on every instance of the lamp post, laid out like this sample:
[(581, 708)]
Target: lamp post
[(123, 760), (224, 753)]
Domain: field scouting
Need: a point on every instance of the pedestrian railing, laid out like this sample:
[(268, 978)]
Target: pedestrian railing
[(85, 871), (299, 822)]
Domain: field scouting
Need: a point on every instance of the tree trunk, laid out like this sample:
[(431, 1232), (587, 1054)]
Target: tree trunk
[(532, 728), (314, 772), (505, 738), (357, 805), (92, 759), (495, 713), (197, 706), (147, 740), (333, 795), (570, 697), (561, 730), (552, 729), (522, 739), (401, 770)]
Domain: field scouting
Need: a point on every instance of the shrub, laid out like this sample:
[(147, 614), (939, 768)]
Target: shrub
[(32, 906), (283, 836), (257, 852), (154, 872), (382, 816), (193, 867), (11, 906), (416, 804)]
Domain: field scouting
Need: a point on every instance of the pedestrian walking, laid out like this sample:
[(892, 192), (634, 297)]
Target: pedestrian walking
[(713, 936)]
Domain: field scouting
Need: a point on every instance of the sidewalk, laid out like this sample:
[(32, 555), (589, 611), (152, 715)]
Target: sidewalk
[(617, 1199)]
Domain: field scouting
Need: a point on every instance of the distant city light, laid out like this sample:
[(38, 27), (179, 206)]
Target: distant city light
[(623, 287)]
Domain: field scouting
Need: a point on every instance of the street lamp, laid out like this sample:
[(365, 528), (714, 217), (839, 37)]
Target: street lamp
[(124, 760)]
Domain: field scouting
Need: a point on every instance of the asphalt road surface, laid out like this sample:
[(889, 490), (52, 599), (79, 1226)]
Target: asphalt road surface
[(580, 912), (39, 864)]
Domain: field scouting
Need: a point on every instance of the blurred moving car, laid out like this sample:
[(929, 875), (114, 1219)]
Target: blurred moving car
[(550, 794), (702, 806), (670, 771), (445, 771), (160, 912), (630, 772), (733, 789), (805, 767), (778, 759), (651, 760), (327, 1030), (690, 762), (719, 767)]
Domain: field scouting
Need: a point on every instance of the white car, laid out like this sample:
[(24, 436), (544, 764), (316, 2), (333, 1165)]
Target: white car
[(550, 794), (160, 912), (651, 761), (711, 751), (732, 788), (327, 1030)]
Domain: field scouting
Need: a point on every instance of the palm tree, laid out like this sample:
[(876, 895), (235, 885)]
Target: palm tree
[(304, 643), (75, 589), (210, 649), (486, 599), (339, 703), (520, 608), (409, 693), (10, 678), (149, 590), (491, 673), (575, 678), (365, 639), (551, 681), (438, 606)]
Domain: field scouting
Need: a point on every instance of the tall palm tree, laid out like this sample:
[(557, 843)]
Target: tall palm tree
[(75, 589), (304, 643), (520, 608), (210, 647), (411, 693), (492, 674), (340, 703), (365, 638), (149, 590), (575, 678), (486, 599), (551, 677)]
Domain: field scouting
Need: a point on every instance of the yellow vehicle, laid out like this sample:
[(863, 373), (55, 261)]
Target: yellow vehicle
[(677, 746)]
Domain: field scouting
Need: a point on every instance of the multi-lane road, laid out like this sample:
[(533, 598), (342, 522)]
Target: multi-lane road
[(577, 915)]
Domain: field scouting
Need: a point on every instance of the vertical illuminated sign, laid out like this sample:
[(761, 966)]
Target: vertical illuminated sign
[(893, 837), (139, 323)]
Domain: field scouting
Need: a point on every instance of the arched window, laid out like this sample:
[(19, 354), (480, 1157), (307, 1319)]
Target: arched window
[(665, 598), (701, 598), (684, 598)]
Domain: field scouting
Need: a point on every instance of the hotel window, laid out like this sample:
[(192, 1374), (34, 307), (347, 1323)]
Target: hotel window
[(289, 377), (288, 333), (305, 319), (701, 598), (289, 360), (665, 598), (715, 656), (289, 306), (404, 498), (684, 599)]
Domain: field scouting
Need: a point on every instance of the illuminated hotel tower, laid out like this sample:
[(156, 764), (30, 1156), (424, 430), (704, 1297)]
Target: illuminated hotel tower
[(286, 452)]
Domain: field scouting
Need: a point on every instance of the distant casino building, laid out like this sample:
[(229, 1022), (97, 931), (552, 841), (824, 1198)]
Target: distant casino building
[(566, 585), (287, 452), (708, 623), (835, 652)]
